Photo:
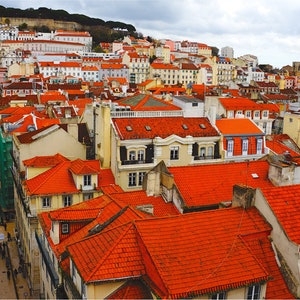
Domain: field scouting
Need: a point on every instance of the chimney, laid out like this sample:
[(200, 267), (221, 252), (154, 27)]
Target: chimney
[(243, 196)]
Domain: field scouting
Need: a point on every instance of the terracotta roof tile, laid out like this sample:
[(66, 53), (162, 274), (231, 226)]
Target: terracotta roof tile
[(143, 102), (285, 204), (213, 183), (140, 198), (261, 247), (163, 127), (44, 161), (156, 248), (80, 167), (238, 127)]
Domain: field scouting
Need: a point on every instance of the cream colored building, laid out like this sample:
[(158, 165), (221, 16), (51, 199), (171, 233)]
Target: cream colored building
[(291, 126)]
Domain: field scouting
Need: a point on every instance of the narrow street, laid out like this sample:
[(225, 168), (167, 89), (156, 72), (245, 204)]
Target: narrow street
[(13, 285)]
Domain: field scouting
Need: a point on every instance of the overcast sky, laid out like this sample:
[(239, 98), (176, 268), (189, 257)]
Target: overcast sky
[(269, 29)]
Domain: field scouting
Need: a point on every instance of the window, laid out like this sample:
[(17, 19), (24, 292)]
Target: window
[(259, 146), (202, 152), (244, 147), (88, 196), (256, 114), (67, 200), (132, 179), (87, 180), (230, 114), (65, 228), (265, 113), (46, 202), (194, 104), (131, 155), (219, 296), (174, 152), (253, 292), (141, 177), (210, 151), (230, 147), (140, 155)]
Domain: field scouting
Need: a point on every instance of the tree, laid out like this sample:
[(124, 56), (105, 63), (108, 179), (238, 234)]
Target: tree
[(7, 21), (23, 27)]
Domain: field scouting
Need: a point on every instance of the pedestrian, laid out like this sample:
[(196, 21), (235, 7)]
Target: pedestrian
[(9, 236), (5, 225), (3, 253), (7, 262), (8, 274), (15, 272)]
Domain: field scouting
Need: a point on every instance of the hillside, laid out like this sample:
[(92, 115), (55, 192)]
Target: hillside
[(44, 19)]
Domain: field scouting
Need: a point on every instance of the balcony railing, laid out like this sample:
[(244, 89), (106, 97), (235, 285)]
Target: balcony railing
[(203, 157), (136, 162)]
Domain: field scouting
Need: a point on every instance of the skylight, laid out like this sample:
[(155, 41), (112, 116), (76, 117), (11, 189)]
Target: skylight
[(184, 126), (128, 128), (148, 128), (202, 126), (254, 175)]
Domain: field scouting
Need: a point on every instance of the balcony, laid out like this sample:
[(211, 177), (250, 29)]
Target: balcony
[(134, 162), (203, 157)]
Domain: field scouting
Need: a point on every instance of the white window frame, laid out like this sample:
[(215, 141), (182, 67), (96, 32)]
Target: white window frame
[(141, 155), (65, 228), (87, 180), (218, 296), (245, 144), (132, 179), (253, 292), (46, 202), (67, 200), (141, 178), (230, 147), (259, 144), (174, 152)]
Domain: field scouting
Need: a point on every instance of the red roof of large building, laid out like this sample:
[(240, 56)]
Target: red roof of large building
[(217, 258), (211, 184), (149, 128), (285, 204), (238, 127)]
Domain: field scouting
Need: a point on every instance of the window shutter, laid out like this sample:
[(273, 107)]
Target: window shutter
[(149, 153), (123, 153), (217, 150), (195, 151)]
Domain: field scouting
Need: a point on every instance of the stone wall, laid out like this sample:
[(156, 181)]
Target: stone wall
[(50, 23)]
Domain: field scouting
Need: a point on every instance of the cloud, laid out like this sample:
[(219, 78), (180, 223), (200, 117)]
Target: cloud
[(268, 29)]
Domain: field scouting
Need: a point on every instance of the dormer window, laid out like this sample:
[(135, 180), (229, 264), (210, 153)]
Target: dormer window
[(87, 180), (65, 228)]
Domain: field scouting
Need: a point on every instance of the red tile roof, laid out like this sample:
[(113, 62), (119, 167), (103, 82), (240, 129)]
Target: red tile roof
[(80, 167), (44, 161), (131, 290), (59, 179), (280, 143), (213, 183), (140, 198), (217, 258), (261, 247), (238, 127), (239, 103), (163, 127), (285, 204), (145, 102)]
